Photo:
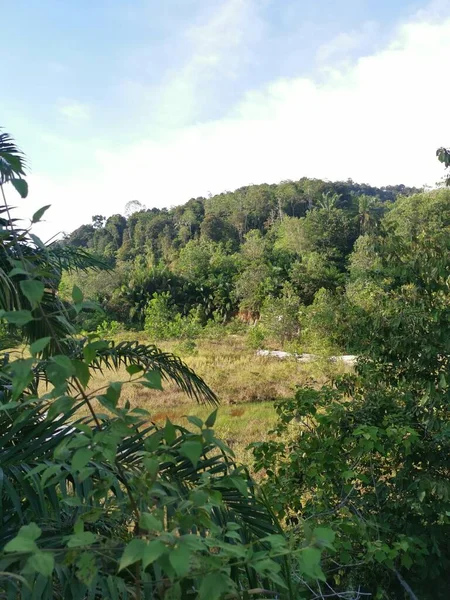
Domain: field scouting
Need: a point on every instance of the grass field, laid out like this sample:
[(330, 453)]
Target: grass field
[(245, 383)]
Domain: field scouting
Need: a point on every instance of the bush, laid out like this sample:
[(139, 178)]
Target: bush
[(110, 505), (255, 337), (108, 329), (279, 316), (162, 322), (326, 323)]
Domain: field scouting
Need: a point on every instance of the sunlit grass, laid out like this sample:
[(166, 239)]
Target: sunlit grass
[(246, 384)]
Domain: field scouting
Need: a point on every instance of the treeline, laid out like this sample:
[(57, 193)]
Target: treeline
[(231, 253)]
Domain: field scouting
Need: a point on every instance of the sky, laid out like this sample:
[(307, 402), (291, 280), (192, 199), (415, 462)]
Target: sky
[(163, 100)]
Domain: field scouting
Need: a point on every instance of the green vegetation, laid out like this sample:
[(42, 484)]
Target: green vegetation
[(103, 495), (258, 251)]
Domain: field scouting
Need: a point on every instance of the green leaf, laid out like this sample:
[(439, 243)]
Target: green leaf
[(153, 380), (152, 466), (133, 369), (21, 544), (42, 563), (25, 539), (82, 372), (309, 561), (179, 558), (39, 345), (240, 484), (33, 290), (170, 433), (39, 213), (152, 552), (133, 552), (82, 538), (18, 317), (21, 186), (210, 421), (150, 522), (77, 295), (195, 421), (81, 458), (324, 537), (192, 451), (214, 585), (60, 406)]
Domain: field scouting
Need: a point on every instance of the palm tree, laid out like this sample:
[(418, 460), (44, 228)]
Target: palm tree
[(328, 201), (365, 212), (79, 494)]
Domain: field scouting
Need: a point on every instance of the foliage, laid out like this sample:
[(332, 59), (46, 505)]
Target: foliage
[(369, 454), (112, 505), (227, 253), (279, 316), (163, 322)]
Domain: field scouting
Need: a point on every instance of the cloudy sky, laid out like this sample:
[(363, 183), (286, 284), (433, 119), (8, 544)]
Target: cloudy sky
[(163, 100)]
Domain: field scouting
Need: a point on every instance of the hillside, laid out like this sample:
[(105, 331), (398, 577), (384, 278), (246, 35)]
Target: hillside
[(225, 255)]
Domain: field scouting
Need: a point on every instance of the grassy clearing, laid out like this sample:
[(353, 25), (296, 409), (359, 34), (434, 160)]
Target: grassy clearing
[(246, 385)]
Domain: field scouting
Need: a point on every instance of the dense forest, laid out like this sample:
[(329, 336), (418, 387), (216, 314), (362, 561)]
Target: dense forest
[(348, 496), (261, 251)]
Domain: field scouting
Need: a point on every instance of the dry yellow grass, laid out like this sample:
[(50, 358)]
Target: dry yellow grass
[(246, 385)]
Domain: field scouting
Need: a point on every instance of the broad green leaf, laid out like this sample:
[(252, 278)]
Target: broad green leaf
[(195, 421), (150, 523), (324, 537), (21, 186), (170, 433), (133, 552), (133, 369), (82, 372), (40, 213), (214, 585), (240, 484), (152, 552), (153, 380), (33, 290), (39, 345), (42, 563), (82, 538), (179, 558), (17, 317), (192, 450), (81, 458), (18, 271), (39, 243), (25, 539), (210, 421), (309, 561), (22, 376), (77, 295), (60, 406), (21, 544), (152, 466)]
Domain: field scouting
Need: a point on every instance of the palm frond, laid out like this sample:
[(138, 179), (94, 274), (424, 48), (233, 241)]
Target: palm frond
[(151, 358), (12, 159)]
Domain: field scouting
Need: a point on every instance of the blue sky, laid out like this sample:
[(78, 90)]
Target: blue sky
[(163, 100)]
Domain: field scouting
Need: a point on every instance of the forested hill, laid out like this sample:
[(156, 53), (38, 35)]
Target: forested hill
[(226, 217), (230, 251)]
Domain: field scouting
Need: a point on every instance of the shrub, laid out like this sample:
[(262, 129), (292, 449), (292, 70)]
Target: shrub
[(279, 316), (110, 505), (162, 322), (255, 337)]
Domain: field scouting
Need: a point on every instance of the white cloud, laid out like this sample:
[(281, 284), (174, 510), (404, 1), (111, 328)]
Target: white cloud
[(216, 49), (73, 110), (378, 121), (342, 46)]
